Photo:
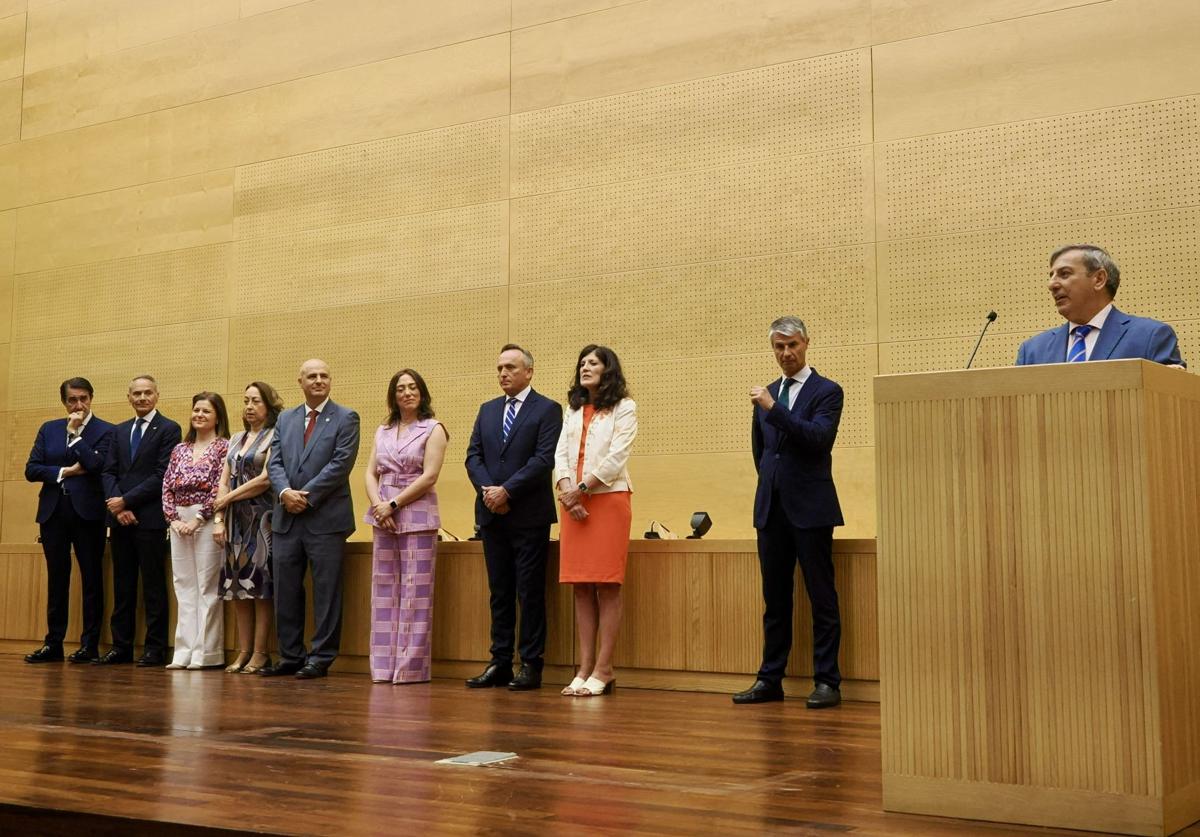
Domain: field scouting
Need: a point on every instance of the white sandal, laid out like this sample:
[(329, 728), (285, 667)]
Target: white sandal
[(574, 687), (595, 686)]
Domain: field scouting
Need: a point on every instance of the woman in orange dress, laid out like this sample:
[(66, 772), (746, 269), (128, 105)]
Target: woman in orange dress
[(593, 486)]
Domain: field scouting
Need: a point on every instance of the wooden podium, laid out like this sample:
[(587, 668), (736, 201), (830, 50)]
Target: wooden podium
[(1039, 595)]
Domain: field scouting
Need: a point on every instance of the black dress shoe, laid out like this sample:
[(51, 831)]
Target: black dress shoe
[(496, 674), (760, 692), (45, 654), (310, 671), (152, 659), (84, 655), (280, 669), (115, 656), (527, 678), (823, 697)]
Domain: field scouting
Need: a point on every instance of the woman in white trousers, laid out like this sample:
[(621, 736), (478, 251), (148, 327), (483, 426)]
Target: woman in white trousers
[(189, 491)]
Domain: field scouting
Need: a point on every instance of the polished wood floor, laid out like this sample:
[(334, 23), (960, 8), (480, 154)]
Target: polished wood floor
[(123, 751)]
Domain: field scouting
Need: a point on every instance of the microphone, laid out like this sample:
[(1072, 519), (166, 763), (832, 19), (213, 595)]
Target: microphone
[(991, 318)]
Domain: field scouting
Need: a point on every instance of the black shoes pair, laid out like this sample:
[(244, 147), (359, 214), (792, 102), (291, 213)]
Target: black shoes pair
[(54, 654), (301, 671), (823, 695), (498, 674)]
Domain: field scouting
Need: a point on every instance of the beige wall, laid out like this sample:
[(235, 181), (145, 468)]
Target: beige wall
[(214, 191)]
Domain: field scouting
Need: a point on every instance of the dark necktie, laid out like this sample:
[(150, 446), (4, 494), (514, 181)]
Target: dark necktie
[(1078, 352), (312, 422), (784, 389), (136, 439), (510, 415)]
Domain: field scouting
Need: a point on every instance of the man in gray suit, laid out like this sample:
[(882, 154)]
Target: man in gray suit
[(312, 452)]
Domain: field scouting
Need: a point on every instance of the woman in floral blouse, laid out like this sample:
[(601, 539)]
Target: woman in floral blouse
[(189, 490)]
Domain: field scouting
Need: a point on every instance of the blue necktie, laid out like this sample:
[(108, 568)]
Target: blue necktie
[(136, 438), (1078, 352), (510, 415)]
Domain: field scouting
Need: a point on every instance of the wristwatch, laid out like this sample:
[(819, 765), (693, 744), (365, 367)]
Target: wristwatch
[(392, 503), (583, 487)]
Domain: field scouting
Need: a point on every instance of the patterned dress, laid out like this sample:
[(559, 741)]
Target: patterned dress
[(246, 573), (403, 562)]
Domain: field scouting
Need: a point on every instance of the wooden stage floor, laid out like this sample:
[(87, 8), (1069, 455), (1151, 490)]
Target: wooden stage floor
[(120, 751)]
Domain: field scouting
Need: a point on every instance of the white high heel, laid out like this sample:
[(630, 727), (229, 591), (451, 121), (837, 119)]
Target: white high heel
[(595, 686), (573, 688)]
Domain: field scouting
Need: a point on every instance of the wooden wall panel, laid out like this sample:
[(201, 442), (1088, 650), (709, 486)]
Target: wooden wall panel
[(531, 12), (632, 47), (1134, 158), (401, 175), (803, 203), (257, 7), (259, 51), (10, 110), (123, 294), (5, 350), (380, 262), (167, 215), (79, 30), (12, 46), (1036, 66), (456, 84), (782, 110), (12, 7), (898, 20), (18, 514)]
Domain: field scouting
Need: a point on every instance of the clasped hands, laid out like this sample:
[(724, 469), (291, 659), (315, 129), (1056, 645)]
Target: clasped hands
[(116, 507), (186, 528), (495, 497), (294, 500), (572, 499)]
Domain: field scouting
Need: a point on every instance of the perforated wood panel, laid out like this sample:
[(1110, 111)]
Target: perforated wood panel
[(998, 349), (168, 215), (122, 294), (412, 173), (797, 203), (704, 309), (381, 261), (783, 110), (964, 276), (184, 357), (1130, 159)]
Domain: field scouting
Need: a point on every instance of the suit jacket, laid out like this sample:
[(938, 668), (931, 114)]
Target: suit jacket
[(793, 455), (522, 465), (1123, 337), (50, 453), (139, 478), (322, 468)]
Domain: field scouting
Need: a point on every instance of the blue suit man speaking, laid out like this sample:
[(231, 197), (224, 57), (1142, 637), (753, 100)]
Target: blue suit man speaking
[(312, 452), (1083, 281)]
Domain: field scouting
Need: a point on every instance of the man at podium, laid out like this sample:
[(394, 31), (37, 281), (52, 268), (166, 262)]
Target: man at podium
[(1083, 281)]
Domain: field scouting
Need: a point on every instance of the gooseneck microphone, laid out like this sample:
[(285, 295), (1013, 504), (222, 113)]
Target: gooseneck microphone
[(991, 318)]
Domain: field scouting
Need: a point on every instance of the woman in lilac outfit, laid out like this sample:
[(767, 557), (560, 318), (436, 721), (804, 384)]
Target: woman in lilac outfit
[(406, 458)]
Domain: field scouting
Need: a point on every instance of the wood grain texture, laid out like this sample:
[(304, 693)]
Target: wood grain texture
[(1022, 570), (896, 20), (10, 111), (232, 752), (12, 47)]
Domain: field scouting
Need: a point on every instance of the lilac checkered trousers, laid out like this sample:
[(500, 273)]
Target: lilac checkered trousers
[(402, 606)]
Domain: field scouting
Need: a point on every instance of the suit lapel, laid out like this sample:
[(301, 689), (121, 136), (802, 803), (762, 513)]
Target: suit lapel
[(1114, 329), (805, 395), (147, 436)]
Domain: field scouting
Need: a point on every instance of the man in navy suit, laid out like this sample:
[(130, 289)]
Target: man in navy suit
[(1083, 281), (66, 459), (312, 452), (133, 476), (795, 509), (509, 460)]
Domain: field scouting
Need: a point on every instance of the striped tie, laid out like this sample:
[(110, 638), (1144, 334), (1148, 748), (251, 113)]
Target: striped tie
[(510, 415), (1078, 352)]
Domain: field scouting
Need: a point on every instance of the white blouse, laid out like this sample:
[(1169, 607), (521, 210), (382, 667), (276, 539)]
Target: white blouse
[(606, 452)]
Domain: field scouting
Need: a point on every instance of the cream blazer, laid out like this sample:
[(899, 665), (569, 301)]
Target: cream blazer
[(606, 454)]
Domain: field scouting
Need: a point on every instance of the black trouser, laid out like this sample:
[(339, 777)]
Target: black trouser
[(516, 565), (292, 552), (780, 545), (136, 550), (63, 530)]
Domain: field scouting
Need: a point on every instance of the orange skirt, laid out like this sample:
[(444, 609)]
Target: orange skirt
[(594, 551)]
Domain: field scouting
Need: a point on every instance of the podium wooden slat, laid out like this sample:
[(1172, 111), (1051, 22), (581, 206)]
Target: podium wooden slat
[(1039, 595)]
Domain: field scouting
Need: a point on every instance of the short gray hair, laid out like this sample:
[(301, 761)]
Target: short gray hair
[(787, 326), (1094, 258), (513, 347), (149, 378)]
